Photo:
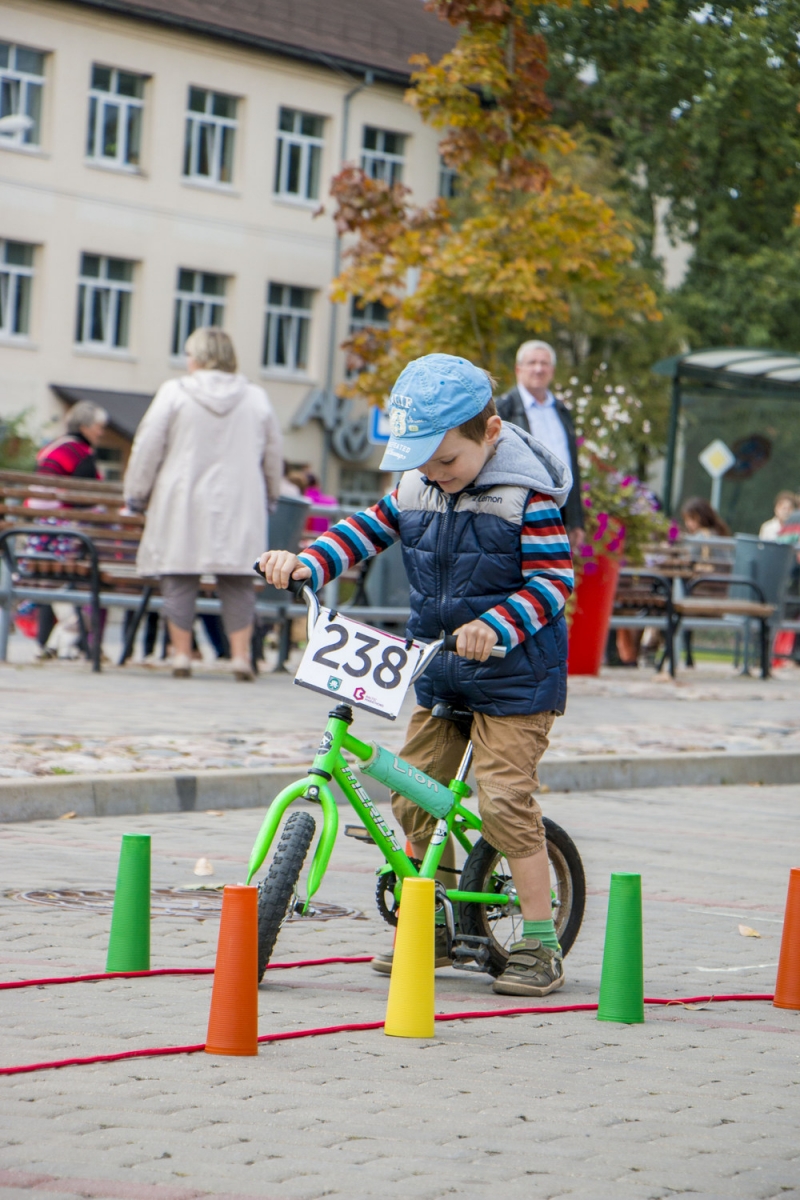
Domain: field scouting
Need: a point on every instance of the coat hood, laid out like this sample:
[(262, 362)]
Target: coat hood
[(218, 391), (520, 459)]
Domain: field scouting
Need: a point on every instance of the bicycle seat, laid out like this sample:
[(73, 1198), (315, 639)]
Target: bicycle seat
[(461, 718)]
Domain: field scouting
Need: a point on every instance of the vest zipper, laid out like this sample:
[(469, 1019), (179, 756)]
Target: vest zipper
[(443, 563)]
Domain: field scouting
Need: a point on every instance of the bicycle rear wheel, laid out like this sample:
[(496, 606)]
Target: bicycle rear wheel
[(277, 891), (487, 870)]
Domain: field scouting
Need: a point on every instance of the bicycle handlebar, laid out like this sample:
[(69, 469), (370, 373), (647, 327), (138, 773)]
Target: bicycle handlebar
[(300, 588)]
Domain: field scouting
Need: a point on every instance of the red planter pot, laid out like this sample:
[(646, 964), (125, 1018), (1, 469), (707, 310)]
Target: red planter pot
[(594, 602)]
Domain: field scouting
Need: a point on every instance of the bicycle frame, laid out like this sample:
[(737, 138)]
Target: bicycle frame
[(330, 766)]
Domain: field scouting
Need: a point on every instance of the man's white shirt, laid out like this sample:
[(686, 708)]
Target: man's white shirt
[(545, 423)]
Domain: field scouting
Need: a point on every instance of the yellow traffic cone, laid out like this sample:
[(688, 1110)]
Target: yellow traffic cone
[(409, 1009)]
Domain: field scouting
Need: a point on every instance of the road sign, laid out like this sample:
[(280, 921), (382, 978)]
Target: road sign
[(378, 426), (717, 458)]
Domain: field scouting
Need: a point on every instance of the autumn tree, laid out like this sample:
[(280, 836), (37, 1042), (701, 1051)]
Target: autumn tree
[(523, 250)]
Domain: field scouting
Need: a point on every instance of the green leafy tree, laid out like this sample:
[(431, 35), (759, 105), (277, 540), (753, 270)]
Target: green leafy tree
[(700, 105), (527, 249)]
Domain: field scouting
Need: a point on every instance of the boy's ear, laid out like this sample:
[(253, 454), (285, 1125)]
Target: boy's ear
[(494, 427)]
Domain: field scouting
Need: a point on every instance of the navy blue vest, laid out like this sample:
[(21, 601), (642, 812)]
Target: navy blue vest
[(462, 556)]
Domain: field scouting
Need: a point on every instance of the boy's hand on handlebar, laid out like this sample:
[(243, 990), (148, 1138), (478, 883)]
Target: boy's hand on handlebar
[(279, 566), (475, 640)]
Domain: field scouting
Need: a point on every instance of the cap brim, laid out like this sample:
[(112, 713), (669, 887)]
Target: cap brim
[(404, 454)]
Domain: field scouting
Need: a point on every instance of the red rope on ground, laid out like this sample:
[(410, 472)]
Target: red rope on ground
[(358, 1026), (277, 966)]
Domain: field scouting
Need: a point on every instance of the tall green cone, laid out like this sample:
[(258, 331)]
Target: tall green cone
[(622, 980), (129, 943)]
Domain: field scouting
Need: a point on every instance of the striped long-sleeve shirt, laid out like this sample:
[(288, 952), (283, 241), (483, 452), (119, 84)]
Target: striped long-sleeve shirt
[(546, 561)]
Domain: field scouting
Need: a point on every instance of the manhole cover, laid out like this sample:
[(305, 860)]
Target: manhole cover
[(199, 903)]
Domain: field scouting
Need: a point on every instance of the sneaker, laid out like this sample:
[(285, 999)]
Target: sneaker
[(242, 670), (532, 970), (383, 962), (181, 666)]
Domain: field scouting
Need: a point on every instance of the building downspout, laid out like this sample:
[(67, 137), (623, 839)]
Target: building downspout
[(369, 79)]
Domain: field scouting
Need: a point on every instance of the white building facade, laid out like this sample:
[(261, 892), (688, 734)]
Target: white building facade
[(156, 174)]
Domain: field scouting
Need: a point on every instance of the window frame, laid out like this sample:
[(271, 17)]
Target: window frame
[(28, 139), (276, 314), (186, 299), (98, 101), (372, 158), (88, 286), (306, 143), (195, 120), (14, 273), (365, 319)]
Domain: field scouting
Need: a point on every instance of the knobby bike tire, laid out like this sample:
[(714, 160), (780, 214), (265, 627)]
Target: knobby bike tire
[(477, 876), (276, 891)]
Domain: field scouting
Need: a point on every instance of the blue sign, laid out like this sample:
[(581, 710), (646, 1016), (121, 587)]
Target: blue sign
[(378, 426)]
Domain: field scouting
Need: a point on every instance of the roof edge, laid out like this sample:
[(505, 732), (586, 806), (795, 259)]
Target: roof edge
[(333, 62)]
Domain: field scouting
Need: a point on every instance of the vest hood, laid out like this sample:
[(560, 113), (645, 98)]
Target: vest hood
[(521, 459), (218, 391)]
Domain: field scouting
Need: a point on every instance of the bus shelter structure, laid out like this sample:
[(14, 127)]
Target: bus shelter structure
[(751, 400)]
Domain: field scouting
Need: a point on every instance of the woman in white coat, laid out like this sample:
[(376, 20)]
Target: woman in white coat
[(206, 465)]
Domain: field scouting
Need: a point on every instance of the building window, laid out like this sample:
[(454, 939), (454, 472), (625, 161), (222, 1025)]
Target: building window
[(448, 181), (114, 135), (382, 156), (21, 83), (210, 134), (287, 328), (297, 167), (105, 289), (370, 314), (200, 300), (16, 281)]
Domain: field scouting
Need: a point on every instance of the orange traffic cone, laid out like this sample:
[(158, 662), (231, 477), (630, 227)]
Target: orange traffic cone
[(233, 1020), (787, 985)]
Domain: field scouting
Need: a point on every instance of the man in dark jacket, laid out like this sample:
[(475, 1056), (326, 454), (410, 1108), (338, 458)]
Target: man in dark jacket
[(533, 407)]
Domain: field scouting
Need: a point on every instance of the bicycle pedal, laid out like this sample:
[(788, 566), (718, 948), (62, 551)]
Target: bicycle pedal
[(469, 949), (358, 832)]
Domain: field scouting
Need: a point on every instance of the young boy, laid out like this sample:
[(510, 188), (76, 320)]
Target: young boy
[(487, 557)]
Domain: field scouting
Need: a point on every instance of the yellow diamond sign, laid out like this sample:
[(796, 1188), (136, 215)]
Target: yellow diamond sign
[(717, 458)]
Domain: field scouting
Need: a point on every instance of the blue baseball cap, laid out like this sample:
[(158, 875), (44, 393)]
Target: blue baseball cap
[(432, 395)]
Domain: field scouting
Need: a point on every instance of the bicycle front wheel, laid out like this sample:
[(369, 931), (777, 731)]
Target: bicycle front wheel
[(487, 870), (277, 892)]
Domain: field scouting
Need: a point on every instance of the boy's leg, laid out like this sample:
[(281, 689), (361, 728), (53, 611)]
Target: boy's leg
[(436, 747), (507, 753)]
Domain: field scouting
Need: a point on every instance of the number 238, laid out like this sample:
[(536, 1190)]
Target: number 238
[(386, 673)]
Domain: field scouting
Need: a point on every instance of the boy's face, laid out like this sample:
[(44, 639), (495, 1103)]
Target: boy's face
[(458, 461)]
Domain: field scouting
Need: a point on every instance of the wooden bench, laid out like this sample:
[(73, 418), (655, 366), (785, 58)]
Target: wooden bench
[(713, 610), (64, 539)]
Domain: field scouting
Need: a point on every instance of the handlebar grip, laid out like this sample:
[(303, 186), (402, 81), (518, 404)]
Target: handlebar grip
[(449, 641), (295, 585)]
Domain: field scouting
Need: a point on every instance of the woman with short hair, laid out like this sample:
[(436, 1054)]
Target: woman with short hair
[(206, 465), (73, 454)]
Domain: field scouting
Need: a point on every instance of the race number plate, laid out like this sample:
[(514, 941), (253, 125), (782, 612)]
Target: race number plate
[(358, 664)]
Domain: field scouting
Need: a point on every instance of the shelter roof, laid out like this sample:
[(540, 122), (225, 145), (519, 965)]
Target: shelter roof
[(125, 409), (737, 369), (377, 35)]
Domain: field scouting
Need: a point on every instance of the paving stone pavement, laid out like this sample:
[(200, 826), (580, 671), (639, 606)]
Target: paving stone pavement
[(701, 1101), (62, 719)]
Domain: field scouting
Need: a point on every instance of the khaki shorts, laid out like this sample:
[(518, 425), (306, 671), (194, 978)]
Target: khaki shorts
[(507, 751)]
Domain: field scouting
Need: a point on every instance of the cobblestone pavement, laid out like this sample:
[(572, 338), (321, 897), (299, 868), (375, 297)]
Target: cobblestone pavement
[(700, 1101), (64, 720)]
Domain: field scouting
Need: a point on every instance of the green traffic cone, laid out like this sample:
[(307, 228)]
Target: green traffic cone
[(129, 943), (622, 979)]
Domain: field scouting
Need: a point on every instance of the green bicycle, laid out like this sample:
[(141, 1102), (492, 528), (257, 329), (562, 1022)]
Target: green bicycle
[(482, 916)]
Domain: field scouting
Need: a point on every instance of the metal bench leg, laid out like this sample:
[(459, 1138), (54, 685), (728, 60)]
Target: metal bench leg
[(284, 642), (133, 628), (5, 608), (765, 648)]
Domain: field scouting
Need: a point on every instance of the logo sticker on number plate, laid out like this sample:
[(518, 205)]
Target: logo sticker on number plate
[(366, 666)]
